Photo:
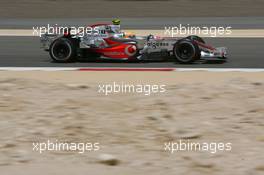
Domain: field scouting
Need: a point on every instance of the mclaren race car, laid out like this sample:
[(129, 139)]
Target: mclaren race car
[(107, 41)]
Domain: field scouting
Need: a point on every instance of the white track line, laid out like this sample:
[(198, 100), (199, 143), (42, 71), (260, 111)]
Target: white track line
[(127, 69), (236, 33)]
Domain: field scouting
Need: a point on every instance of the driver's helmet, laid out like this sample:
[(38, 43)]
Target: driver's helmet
[(116, 22), (115, 27)]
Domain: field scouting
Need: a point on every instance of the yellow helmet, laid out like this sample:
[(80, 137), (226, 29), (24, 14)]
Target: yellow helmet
[(116, 21)]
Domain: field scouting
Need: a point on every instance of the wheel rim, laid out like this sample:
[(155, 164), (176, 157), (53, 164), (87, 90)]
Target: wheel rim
[(61, 51), (185, 51)]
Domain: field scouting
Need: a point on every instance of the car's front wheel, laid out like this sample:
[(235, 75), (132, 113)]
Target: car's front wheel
[(186, 51), (63, 50)]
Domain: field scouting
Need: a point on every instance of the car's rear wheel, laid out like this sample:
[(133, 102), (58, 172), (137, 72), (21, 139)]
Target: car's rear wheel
[(186, 51), (63, 50)]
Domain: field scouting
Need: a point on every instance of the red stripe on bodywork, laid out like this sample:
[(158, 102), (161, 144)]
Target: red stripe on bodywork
[(205, 46), (99, 24), (126, 69)]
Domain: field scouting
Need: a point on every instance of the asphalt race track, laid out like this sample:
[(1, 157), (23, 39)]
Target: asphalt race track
[(18, 51), (26, 52)]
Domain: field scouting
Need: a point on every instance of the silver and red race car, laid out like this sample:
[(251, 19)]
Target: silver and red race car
[(107, 41)]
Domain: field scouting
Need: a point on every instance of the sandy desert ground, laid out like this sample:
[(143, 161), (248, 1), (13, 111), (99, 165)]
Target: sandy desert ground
[(198, 106)]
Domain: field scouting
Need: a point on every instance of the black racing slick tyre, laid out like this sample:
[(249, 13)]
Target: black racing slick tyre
[(196, 38), (63, 50), (186, 51)]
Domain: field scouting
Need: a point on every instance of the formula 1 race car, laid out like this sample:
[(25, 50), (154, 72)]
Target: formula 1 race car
[(107, 41)]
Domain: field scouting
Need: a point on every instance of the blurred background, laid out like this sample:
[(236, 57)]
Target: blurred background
[(129, 8)]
